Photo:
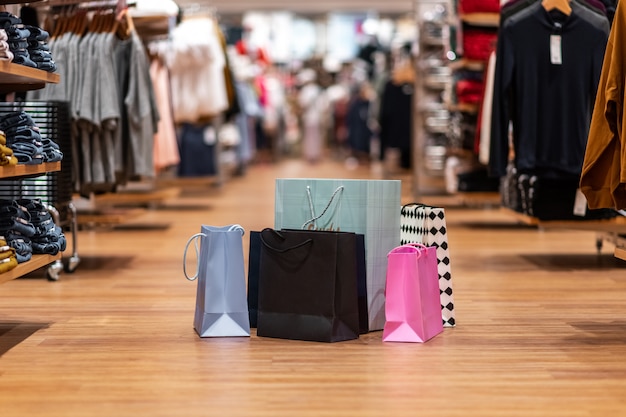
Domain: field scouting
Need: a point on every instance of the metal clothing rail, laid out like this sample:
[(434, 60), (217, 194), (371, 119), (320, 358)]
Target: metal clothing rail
[(94, 3), (118, 5)]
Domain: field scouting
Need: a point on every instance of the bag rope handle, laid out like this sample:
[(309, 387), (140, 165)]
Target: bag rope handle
[(233, 228), (267, 245), (312, 209), (194, 238), (238, 228), (410, 245)]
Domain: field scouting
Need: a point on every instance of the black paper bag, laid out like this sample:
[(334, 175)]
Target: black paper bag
[(308, 285), (254, 257)]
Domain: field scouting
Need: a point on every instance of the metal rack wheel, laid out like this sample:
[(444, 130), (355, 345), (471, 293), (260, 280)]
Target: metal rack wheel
[(54, 270), (74, 260), (71, 264)]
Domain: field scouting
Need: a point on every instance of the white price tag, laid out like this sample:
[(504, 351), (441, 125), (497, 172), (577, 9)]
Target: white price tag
[(210, 136), (556, 52), (580, 204)]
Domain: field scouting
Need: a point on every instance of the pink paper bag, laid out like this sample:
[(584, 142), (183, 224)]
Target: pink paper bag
[(412, 308)]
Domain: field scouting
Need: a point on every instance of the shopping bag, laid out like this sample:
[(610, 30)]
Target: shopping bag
[(221, 308), (254, 259), (367, 207), (308, 286), (427, 225), (412, 307)]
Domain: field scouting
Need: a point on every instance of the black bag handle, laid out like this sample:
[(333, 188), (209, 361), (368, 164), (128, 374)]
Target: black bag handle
[(267, 245)]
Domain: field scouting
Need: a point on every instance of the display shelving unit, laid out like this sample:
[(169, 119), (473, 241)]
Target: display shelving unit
[(13, 78), (433, 78)]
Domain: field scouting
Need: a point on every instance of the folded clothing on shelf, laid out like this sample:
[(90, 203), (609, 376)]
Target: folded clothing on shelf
[(27, 45), (5, 50), (38, 49), (469, 91), (48, 238), (479, 6), (23, 137), (29, 228), (478, 42), (6, 153), (8, 259)]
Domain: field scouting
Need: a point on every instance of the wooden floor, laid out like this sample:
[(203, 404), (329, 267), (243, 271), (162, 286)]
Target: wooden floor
[(541, 328)]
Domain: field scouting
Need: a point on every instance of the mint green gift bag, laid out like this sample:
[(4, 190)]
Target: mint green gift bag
[(367, 207)]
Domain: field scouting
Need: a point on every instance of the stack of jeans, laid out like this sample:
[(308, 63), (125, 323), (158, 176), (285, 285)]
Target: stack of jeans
[(48, 238), (38, 49), (17, 229), (24, 139), (6, 153), (8, 260), (5, 51), (17, 38), (29, 228)]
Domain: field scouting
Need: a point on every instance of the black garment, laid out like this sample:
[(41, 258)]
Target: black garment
[(396, 120), (549, 105), (197, 158), (359, 133), (512, 7)]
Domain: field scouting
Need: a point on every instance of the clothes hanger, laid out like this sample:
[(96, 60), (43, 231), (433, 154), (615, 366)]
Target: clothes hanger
[(562, 6), (124, 25)]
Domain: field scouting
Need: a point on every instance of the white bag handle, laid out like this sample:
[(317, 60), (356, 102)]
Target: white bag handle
[(315, 218), (197, 235), (410, 245)]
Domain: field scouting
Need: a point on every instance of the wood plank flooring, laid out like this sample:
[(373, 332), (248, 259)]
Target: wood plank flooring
[(541, 328)]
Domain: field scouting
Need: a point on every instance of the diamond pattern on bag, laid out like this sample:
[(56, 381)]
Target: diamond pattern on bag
[(427, 225)]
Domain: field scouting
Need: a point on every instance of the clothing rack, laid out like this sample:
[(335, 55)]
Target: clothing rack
[(607, 230), (199, 10), (95, 4)]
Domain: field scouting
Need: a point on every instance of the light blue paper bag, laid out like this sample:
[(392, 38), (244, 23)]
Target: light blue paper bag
[(221, 303), (368, 207)]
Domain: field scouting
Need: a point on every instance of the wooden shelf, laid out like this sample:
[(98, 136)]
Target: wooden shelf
[(464, 107), (479, 198), (28, 170), (620, 253), (108, 216), (15, 77), (481, 19), (136, 197), (468, 64), (37, 261), (2, 2)]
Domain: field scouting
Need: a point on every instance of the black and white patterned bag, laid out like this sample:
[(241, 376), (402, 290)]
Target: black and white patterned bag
[(424, 224)]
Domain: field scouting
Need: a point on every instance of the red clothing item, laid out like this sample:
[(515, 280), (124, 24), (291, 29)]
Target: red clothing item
[(469, 91), (479, 6), (478, 43)]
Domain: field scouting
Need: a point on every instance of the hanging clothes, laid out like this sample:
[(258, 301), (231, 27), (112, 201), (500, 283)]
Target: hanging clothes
[(196, 61), (547, 70), (357, 120), (483, 132), (166, 153), (603, 179), (396, 118), (107, 82)]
